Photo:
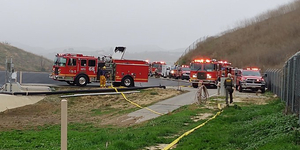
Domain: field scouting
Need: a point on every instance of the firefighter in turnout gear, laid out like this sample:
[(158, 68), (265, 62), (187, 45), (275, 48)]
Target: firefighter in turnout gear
[(102, 77), (228, 84)]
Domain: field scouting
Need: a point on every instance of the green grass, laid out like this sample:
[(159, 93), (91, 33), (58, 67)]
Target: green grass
[(254, 127)]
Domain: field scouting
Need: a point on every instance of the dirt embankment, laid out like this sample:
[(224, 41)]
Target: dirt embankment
[(98, 110)]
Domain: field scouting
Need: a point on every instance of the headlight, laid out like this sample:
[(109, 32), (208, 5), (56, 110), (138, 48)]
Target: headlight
[(208, 76), (194, 75), (172, 71)]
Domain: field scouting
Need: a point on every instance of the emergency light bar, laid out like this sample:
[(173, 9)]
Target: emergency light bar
[(202, 60), (223, 62), (255, 69)]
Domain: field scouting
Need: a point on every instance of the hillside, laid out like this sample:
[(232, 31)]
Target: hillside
[(266, 41), (23, 61)]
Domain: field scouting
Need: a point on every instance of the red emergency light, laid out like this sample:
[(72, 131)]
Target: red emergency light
[(255, 69), (223, 62), (202, 60)]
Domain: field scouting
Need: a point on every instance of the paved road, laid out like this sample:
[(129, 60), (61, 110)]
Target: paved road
[(143, 114), (167, 106), (43, 78)]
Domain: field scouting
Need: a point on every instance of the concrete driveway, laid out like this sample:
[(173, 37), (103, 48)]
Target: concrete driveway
[(167, 105)]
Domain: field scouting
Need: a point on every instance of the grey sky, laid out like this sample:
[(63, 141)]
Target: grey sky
[(169, 24)]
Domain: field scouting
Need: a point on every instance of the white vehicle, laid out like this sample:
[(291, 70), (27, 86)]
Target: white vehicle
[(165, 71)]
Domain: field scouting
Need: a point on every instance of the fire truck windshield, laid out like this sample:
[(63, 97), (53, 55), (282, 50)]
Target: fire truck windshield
[(60, 61), (251, 73), (186, 69), (196, 66), (156, 65), (209, 67)]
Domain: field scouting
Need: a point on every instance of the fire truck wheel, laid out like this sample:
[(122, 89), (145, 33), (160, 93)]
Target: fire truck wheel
[(127, 81), (81, 80)]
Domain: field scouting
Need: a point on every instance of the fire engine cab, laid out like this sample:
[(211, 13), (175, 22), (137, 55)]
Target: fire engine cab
[(249, 78), (208, 71), (78, 69)]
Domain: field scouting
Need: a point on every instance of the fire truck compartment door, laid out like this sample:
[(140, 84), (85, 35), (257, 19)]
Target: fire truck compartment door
[(118, 53)]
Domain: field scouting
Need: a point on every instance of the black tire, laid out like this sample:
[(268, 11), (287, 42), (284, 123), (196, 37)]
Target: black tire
[(71, 83), (127, 81), (195, 85), (263, 89), (81, 80)]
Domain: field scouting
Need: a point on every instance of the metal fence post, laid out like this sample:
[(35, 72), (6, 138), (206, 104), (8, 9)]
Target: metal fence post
[(295, 103), (288, 82)]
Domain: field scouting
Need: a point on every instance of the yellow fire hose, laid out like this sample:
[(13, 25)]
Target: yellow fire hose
[(192, 130), (137, 105)]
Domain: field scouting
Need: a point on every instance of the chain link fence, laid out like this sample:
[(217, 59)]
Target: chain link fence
[(193, 46), (285, 83)]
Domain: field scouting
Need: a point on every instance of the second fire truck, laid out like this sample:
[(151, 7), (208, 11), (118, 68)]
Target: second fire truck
[(156, 68), (78, 69), (208, 71)]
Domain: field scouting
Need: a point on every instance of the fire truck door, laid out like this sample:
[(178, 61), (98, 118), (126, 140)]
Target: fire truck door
[(91, 69), (83, 66)]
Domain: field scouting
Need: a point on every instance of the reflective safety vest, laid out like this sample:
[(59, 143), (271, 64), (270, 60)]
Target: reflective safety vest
[(228, 82)]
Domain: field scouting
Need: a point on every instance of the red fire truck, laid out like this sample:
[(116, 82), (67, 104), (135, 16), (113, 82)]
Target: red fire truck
[(78, 69), (208, 71), (156, 66), (249, 78)]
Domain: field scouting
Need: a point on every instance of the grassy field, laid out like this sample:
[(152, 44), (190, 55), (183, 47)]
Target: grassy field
[(244, 126)]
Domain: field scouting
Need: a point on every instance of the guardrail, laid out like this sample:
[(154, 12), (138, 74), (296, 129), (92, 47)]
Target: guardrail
[(285, 83)]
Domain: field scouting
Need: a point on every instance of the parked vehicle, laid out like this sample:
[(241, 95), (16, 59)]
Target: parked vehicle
[(165, 72), (250, 78), (184, 72), (174, 73), (78, 69), (156, 68), (208, 71)]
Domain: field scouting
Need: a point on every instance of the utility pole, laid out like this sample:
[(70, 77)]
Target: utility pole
[(8, 74)]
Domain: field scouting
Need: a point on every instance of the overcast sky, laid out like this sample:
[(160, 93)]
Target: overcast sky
[(169, 24)]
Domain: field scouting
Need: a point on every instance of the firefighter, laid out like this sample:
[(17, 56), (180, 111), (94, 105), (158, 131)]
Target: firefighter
[(102, 77), (228, 84)]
